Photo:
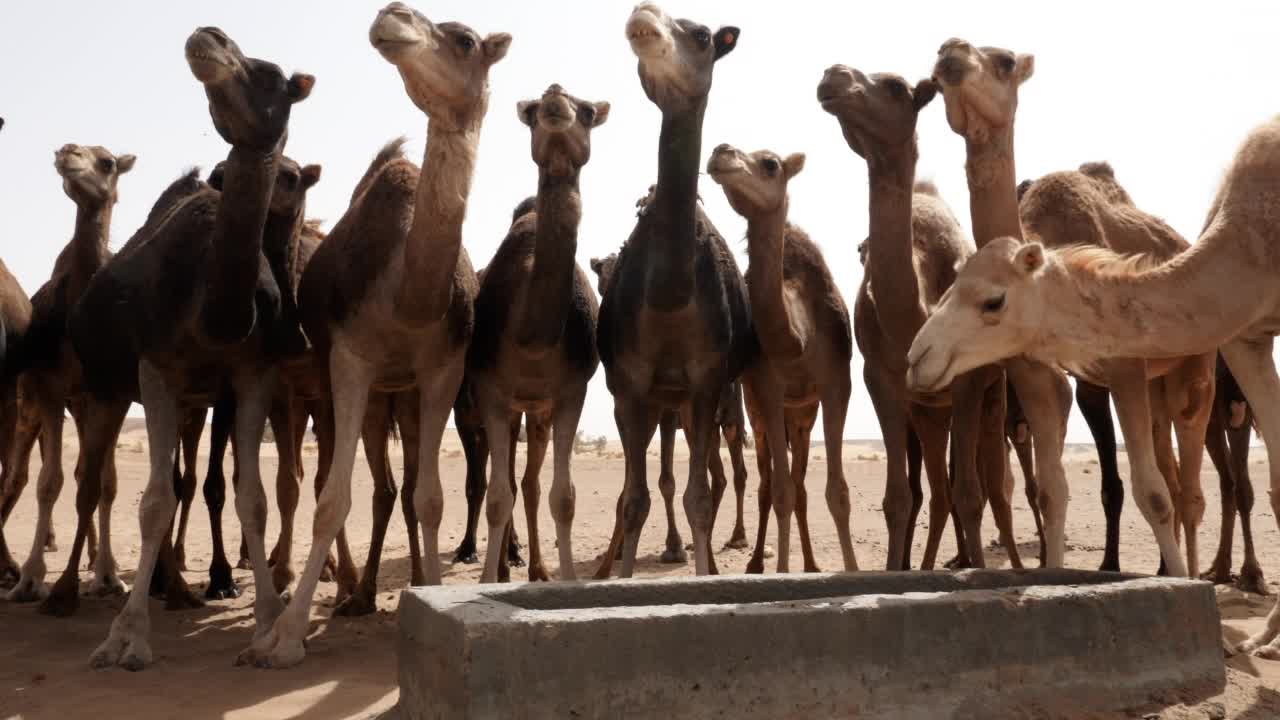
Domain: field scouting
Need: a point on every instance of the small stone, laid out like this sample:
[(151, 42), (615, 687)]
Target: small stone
[(768, 551), (1215, 711)]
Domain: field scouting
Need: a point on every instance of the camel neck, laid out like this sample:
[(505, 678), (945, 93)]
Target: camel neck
[(766, 241), (280, 242), (1175, 309), (891, 267), (248, 178), (434, 243), (673, 245), (546, 306), (92, 236), (993, 187)]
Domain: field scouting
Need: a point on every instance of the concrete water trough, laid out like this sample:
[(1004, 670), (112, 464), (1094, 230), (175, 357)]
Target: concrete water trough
[(929, 645)]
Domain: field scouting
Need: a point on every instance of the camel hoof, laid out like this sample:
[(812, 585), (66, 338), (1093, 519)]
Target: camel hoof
[(244, 564), (812, 568), (674, 556), (738, 541), (537, 573), (1252, 581), (602, 573), (28, 590), (466, 556), (755, 566), (1217, 574), (108, 585), (1109, 566), (9, 576), (275, 648), (224, 591), (127, 650), (1267, 652), (957, 563), (282, 579), (514, 559), (63, 599), (180, 597), (51, 545), (358, 604)]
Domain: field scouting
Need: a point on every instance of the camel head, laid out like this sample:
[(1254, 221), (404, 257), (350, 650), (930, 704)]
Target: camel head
[(90, 173), (862, 252), (561, 126), (676, 56), (993, 311), (980, 86), (445, 66), (288, 197), (603, 268), (876, 112), (249, 99), (1, 123), (754, 183)]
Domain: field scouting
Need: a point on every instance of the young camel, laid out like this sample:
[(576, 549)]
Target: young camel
[(388, 297), (729, 418), (803, 327), (1076, 307), (675, 327), (913, 236), (980, 90), (533, 351), (52, 379), (189, 307)]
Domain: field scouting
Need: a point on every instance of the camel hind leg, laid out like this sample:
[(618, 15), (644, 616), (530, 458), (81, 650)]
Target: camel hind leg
[(48, 398), (192, 429), (1189, 394), (835, 404), (673, 553), (563, 495), (800, 423)]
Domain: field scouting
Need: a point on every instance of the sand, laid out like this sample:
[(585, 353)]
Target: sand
[(350, 666)]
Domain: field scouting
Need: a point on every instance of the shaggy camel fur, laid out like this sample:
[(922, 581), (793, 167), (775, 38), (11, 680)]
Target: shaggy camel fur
[(15, 318), (730, 420), (914, 237), (533, 351), (188, 306), (803, 328), (675, 327), (388, 297), (1077, 307), (51, 380)]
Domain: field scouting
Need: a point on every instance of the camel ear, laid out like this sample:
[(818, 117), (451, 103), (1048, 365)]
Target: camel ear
[(528, 112), (496, 46), (793, 164), (124, 163), (726, 40), (597, 265), (924, 92), (300, 86), (215, 177), (310, 176), (1024, 67), (602, 113), (1030, 258)]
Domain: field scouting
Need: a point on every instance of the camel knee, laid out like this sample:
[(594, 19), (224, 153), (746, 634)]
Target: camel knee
[(634, 511), (331, 513), (1193, 507), (49, 487), (667, 484), (288, 492), (215, 491), (562, 501), (897, 502), (156, 509), (1156, 506), (251, 508), (838, 497), (497, 507), (968, 509)]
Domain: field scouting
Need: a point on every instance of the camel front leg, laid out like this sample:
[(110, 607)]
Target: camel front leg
[(993, 461), (408, 410), (967, 399), (563, 497), (1046, 399), (800, 423), (698, 501), (889, 402), (500, 499), (733, 437), (637, 422), (437, 389), (1189, 394), (128, 644), (537, 437), (835, 404), (674, 553), (1215, 442), (361, 600), (48, 400), (285, 415), (931, 427), (192, 429)]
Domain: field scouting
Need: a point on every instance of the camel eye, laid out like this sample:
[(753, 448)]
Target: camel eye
[(702, 37), (995, 304), (896, 87), (290, 181), (770, 166), (587, 114), (1006, 63), (466, 43), (106, 165)]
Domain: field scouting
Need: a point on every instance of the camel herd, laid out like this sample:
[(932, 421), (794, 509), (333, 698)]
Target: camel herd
[(228, 298)]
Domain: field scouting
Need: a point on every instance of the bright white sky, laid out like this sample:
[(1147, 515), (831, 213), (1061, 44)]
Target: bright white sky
[(1163, 92)]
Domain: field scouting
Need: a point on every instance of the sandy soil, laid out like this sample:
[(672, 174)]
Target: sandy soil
[(350, 668)]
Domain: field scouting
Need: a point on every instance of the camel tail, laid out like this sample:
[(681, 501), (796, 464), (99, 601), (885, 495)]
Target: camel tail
[(390, 152)]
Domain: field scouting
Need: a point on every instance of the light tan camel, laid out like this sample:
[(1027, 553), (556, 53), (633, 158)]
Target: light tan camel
[(980, 89), (1076, 307), (534, 346), (399, 313), (806, 345), (914, 245), (52, 380)]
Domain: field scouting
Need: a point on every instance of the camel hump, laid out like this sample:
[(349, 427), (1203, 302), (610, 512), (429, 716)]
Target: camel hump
[(389, 153), (1100, 169), (927, 187)]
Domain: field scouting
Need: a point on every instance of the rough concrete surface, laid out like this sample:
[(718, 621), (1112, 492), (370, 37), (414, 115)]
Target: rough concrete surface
[(974, 644)]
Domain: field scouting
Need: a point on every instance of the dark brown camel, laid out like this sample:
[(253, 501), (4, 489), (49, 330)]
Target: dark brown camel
[(52, 378), (189, 305), (675, 327)]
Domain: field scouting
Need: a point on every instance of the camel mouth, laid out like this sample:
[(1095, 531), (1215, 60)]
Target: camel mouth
[(392, 34), (209, 55), (725, 163), (645, 30)]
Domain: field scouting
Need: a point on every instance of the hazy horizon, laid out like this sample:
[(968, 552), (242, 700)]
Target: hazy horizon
[(1164, 93)]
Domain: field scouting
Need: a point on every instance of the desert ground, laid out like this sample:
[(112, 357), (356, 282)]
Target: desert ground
[(350, 666)]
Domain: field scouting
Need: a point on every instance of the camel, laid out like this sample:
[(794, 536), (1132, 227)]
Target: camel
[(533, 350), (806, 342), (675, 326), (913, 235), (1076, 307), (1227, 441), (190, 305), (52, 378), (388, 297), (729, 419), (15, 318), (1090, 206)]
